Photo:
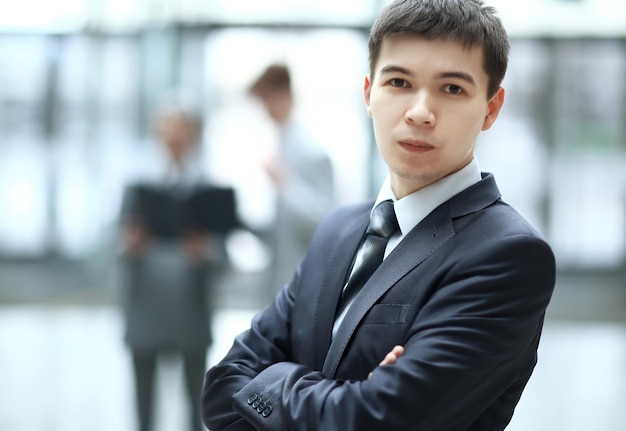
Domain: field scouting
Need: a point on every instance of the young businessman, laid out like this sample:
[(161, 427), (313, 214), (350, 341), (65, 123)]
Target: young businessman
[(443, 335)]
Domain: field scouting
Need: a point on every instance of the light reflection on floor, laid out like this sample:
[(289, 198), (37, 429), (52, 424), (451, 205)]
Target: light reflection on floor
[(66, 369)]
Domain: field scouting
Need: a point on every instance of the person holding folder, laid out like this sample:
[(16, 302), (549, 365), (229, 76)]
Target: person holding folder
[(168, 263)]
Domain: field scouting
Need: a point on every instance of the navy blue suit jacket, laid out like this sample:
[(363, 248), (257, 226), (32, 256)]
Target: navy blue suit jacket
[(465, 293)]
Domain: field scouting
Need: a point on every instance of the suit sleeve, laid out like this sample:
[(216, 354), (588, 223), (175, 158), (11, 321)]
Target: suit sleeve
[(474, 338), (264, 344)]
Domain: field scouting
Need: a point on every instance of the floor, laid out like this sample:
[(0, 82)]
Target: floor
[(66, 369), (63, 366)]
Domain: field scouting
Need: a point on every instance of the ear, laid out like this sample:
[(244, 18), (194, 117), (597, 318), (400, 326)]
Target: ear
[(367, 91), (494, 106)]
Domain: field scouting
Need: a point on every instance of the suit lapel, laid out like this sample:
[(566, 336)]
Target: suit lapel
[(423, 240), (429, 235), (339, 260)]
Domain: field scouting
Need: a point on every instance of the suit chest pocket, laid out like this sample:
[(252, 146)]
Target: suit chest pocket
[(383, 327), (387, 314)]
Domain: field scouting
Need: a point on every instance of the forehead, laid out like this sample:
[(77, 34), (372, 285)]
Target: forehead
[(423, 56)]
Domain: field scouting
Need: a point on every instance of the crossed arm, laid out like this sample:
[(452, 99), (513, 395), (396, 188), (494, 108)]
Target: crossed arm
[(475, 341)]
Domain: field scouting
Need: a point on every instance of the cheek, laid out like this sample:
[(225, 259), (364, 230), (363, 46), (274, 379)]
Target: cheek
[(383, 116), (382, 130), (467, 122)]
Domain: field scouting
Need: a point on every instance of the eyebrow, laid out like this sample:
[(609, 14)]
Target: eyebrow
[(395, 69), (464, 76), (458, 75)]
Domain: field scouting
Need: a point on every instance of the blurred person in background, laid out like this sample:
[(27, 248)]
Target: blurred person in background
[(300, 171), (167, 280), (421, 310)]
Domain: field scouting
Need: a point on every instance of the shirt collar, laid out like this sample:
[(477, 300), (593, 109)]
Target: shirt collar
[(412, 209)]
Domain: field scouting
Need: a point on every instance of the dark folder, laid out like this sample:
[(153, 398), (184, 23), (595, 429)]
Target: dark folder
[(168, 214)]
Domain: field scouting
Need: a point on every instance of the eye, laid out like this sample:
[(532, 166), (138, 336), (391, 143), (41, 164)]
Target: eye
[(398, 82), (453, 89)]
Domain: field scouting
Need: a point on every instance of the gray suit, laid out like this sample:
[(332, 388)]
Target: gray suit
[(465, 293), (166, 301), (168, 309), (302, 202)]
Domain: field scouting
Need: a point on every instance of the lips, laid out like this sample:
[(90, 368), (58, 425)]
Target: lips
[(414, 145)]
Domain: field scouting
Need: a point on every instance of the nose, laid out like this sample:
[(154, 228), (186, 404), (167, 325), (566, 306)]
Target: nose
[(420, 111)]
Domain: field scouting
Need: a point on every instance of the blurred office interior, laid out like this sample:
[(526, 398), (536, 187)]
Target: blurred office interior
[(78, 79)]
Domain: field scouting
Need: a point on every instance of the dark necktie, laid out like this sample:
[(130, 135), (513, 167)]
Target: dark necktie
[(383, 224)]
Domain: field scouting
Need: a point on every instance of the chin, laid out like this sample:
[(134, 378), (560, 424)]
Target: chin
[(410, 183), (416, 175)]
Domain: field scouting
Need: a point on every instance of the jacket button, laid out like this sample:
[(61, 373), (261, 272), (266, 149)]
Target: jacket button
[(256, 403), (267, 411), (261, 407), (253, 398)]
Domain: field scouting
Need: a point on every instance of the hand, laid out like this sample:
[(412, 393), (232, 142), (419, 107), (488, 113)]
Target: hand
[(276, 170), (391, 357), (195, 245), (136, 237)]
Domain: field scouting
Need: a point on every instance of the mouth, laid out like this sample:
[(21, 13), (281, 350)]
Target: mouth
[(416, 146)]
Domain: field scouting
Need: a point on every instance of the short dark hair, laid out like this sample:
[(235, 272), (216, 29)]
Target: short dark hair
[(465, 21), (275, 78)]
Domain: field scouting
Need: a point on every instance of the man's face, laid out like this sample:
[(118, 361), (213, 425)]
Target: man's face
[(178, 135), (278, 105), (428, 102)]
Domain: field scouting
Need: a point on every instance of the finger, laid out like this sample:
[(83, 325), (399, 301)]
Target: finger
[(395, 353), (398, 351), (389, 359)]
